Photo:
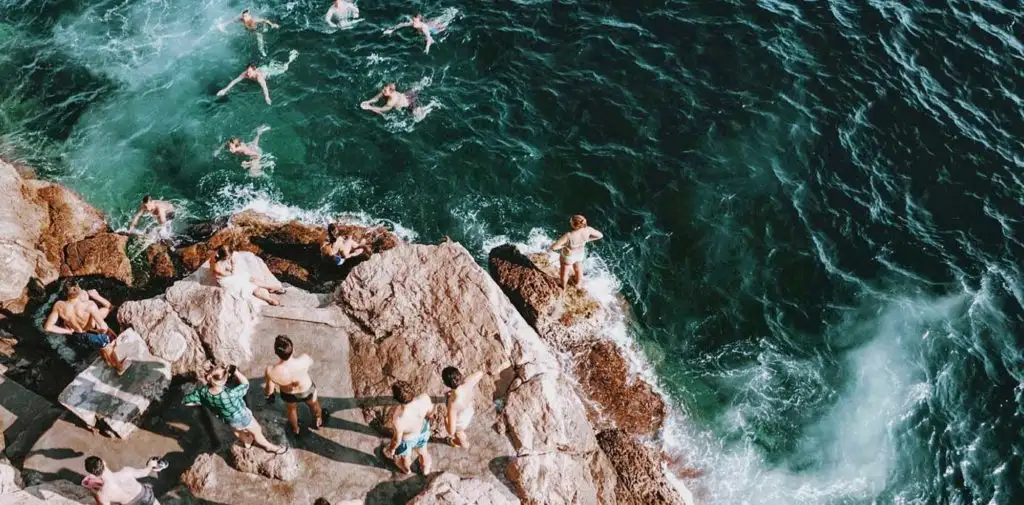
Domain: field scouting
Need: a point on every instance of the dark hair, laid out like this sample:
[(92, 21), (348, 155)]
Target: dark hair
[(147, 199), (72, 290), (333, 231), (321, 501), (403, 392), (250, 65), (246, 11), (223, 252), (283, 347), (451, 377), (94, 465)]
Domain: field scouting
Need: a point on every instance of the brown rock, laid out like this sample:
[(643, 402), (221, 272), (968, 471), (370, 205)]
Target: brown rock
[(102, 254), (166, 334), (450, 489), (630, 402), (70, 218), (202, 475), (161, 265), (640, 477), (22, 222), (545, 415)]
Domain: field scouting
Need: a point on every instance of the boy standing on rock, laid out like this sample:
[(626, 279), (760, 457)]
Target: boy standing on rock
[(411, 430), (291, 376), (460, 403)]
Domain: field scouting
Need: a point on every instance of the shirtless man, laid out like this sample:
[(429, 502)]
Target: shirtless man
[(250, 22), (340, 246), (343, 10), (395, 100), (411, 430), (291, 376), (427, 28), (251, 149), (460, 403), (121, 487), (159, 209), (571, 246), (83, 313), (251, 73)]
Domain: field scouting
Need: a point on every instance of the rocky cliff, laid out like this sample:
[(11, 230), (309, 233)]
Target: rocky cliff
[(548, 430)]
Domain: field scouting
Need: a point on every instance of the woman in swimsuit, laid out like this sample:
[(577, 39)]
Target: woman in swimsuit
[(571, 247), (239, 283)]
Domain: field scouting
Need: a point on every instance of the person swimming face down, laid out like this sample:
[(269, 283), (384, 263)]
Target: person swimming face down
[(234, 145), (251, 72)]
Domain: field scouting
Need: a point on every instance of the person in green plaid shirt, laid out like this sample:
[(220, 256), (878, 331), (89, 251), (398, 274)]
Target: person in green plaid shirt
[(229, 405)]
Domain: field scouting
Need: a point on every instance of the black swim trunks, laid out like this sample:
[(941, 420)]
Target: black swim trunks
[(89, 340), (299, 397)]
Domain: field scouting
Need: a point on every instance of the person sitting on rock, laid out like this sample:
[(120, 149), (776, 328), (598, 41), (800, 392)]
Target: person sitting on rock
[(162, 211), (460, 403), (237, 283), (83, 313), (411, 430), (571, 245), (341, 246), (291, 376), (229, 405), (122, 486)]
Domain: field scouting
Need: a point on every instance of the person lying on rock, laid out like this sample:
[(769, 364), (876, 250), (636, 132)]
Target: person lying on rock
[(460, 403), (411, 430), (83, 313), (571, 245), (228, 404), (239, 283), (162, 211), (122, 486), (291, 376), (341, 246)]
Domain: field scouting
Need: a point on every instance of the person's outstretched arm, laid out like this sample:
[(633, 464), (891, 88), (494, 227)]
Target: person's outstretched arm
[(231, 84), (263, 84), (135, 220), (473, 379), (399, 26), (560, 243), (595, 235), (268, 23), (138, 473)]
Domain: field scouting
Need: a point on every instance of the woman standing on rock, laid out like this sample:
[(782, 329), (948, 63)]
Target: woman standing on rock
[(571, 246), (229, 405)]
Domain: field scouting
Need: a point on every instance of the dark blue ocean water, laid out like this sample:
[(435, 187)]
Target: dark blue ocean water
[(812, 206)]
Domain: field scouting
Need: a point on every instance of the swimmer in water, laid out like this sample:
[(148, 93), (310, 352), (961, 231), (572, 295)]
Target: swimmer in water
[(395, 100), (162, 211), (343, 10), (427, 28), (252, 73), (251, 149), (251, 23)]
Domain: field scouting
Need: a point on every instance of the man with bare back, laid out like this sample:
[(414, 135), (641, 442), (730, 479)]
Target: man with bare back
[(162, 211), (291, 376), (410, 428), (82, 314), (252, 73), (394, 100)]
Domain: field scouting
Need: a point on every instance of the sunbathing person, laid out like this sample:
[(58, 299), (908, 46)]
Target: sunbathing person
[(240, 284), (83, 313)]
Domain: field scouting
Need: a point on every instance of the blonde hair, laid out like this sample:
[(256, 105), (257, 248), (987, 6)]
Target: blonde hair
[(577, 222)]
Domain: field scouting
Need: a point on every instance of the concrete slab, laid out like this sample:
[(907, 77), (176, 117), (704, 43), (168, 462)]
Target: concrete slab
[(99, 394), (24, 416), (342, 460)]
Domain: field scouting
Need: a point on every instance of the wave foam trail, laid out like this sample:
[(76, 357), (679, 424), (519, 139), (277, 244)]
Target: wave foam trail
[(847, 449)]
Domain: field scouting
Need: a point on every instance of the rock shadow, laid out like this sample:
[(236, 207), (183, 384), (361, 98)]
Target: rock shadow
[(396, 491), (497, 466)]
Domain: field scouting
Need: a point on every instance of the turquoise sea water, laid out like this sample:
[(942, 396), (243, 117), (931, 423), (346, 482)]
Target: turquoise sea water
[(813, 207)]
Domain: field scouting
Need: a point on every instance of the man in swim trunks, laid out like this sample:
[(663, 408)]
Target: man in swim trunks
[(411, 430), (460, 403), (427, 28), (395, 100), (251, 73), (341, 246), (228, 404), (162, 211), (343, 10), (121, 487), (291, 376), (571, 247), (83, 313)]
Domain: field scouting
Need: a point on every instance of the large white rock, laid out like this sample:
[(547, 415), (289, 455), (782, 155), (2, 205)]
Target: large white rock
[(167, 335), (545, 415), (10, 479), (450, 489), (98, 393)]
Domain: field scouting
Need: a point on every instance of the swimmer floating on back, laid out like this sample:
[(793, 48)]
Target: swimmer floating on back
[(252, 73), (251, 149), (343, 10), (427, 28), (395, 100)]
